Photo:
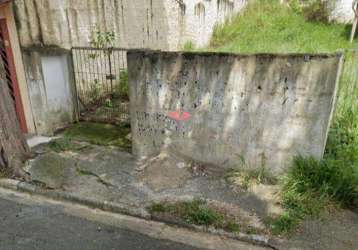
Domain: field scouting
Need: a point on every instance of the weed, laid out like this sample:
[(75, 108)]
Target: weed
[(5, 172), (316, 11), (245, 176), (189, 46), (197, 212), (232, 227), (282, 224), (102, 39), (121, 89)]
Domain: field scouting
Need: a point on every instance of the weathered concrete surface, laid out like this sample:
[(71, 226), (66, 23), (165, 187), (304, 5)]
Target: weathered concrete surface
[(341, 11), (109, 176), (51, 89), (156, 24), (52, 170), (226, 110), (251, 207)]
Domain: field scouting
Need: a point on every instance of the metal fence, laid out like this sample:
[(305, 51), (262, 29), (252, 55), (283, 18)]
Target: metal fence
[(101, 83)]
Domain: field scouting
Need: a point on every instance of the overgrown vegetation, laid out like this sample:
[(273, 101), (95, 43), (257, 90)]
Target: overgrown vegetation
[(121, 89), (100, 134), (269, 27), (197, 212)]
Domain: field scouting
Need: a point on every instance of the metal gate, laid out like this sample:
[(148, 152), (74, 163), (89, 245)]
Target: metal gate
[(102, 83)]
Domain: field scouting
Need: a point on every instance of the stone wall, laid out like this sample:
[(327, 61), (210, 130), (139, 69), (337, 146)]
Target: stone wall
[(225, 110), (155, 24)]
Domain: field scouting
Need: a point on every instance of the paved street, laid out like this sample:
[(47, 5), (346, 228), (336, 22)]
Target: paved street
[(34, 226)]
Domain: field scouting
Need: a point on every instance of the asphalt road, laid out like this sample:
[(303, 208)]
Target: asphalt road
[(48, 227)]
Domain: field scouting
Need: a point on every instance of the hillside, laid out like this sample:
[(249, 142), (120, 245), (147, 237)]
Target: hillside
[(267, 26)]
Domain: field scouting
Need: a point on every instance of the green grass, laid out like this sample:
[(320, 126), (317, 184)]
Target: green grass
[(268, 27), (121, 89), (197, 212), (100, 134)]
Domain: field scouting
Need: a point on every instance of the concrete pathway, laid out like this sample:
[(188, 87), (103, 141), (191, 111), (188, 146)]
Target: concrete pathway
[(113, 180)]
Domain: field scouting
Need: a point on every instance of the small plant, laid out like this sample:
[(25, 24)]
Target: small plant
[(197, 212), (244, 176), (189, 46), (108, 103), (5, 173), (121, 89), (95, 92), (100, 39), (316, 11)]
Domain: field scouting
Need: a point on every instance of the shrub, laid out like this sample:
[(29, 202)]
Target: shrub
[(121, 88), (316, 11)]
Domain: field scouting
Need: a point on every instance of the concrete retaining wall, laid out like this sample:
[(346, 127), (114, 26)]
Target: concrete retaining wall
[(342, 11), (155, 24), (225, 109)]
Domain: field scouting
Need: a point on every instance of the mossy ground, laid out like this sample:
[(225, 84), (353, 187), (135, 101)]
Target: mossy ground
[(100, 134)]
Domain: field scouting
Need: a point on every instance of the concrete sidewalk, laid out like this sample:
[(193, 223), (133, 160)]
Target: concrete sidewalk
[(112, 180)]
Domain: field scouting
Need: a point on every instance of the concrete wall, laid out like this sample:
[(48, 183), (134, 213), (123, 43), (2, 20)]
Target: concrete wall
[(202, 16), (342, 11), (51, 89), (155, 24), (222, 108)]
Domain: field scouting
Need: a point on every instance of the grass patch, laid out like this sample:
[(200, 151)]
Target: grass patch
[(100, 134), (197, 212), (267, 26), (246, 177)]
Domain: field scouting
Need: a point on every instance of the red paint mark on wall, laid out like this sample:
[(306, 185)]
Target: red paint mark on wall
[(179, 115)]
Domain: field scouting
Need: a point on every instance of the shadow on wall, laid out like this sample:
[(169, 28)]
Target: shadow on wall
[(224, 109)]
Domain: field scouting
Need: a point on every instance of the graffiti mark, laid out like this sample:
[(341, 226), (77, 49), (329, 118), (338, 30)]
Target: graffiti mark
[(179, 115)]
